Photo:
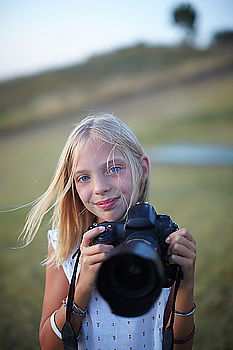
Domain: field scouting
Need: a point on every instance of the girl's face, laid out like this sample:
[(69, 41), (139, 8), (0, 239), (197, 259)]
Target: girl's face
[(103, 180)]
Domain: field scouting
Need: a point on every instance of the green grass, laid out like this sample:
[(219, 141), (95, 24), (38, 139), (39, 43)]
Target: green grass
[(202, 112), (63, 92), (199, 198)]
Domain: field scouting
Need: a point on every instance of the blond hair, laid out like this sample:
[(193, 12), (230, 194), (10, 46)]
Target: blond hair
[(70, 216)]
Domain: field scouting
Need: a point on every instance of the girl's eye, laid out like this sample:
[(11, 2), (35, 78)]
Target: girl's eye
[(83, 178), (114, 169)]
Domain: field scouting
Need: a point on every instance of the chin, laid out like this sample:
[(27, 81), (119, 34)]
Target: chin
[(111, 217)]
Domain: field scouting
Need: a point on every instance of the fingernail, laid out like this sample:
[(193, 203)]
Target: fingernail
[(101, 228), (171, 258), (168, 239)]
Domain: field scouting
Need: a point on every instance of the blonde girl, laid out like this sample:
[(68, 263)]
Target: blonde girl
[(101, 173)]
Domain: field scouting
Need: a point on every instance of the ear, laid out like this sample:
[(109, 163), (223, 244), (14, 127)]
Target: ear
[(145, 166)]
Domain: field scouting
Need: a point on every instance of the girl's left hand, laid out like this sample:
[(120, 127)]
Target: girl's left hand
[(182, 251)]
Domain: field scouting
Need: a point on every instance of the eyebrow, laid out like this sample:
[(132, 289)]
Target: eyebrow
[(105, 164)]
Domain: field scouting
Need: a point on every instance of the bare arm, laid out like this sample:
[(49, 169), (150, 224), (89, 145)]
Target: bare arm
[(182, 251), (57, 286), (56, 289)]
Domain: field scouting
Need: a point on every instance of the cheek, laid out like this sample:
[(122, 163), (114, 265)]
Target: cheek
[(82, 193), (125, 183)]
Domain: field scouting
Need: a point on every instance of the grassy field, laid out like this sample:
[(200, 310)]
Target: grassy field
[(199, 198)]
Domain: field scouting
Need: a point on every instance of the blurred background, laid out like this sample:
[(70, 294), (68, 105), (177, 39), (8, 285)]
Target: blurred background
[(166, 69)]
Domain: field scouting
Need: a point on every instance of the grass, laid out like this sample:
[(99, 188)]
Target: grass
[(199, 198), (200, 112), (112, 76)]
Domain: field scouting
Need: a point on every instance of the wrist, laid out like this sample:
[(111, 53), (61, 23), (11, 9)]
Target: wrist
[(185, 297), (188, 313), (82, 295), (187, 284)]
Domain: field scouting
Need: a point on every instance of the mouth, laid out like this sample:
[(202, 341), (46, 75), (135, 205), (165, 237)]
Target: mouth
[(107, 204)]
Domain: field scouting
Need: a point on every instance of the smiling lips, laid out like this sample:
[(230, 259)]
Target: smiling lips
[(107, 204)]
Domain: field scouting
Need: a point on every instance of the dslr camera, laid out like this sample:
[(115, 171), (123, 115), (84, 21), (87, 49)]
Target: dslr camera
[(132, 277)]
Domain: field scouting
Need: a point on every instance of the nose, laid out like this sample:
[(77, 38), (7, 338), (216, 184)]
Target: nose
[(101, 185)]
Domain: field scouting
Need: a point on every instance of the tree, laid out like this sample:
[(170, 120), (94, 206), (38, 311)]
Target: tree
[(185, 16), (223, 38)]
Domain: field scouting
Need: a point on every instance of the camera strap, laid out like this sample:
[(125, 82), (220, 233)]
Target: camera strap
[(69, 337), (168, 334)]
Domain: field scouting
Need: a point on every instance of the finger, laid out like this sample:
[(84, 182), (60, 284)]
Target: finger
[(90, 234), (179, 240), (182, 250), (89, 272), (90, 260), (182, 232), (97, 248), (183, 262)]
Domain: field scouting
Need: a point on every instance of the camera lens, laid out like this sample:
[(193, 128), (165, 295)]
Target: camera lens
[(132, 277), (133, 274)]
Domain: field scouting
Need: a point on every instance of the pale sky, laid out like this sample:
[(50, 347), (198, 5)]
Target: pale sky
[(37, 35)]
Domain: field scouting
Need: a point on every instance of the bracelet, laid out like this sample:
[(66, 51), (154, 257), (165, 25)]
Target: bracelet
[(78, 308), (79, 311), (54, 326), (186, 339), (187, 313)]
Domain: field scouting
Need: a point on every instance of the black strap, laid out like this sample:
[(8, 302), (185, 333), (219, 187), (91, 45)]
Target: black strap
[(168, 334), (69, 337), (70, 299)]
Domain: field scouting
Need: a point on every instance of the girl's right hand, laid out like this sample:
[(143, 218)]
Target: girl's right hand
[(91, 258)]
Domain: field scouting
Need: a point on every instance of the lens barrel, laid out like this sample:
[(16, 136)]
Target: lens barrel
[(131, 279)]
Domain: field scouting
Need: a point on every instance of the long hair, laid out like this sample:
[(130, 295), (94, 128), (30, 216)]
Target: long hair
[(70, 216)]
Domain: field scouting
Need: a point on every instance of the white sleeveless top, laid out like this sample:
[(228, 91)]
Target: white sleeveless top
[(103, 330)]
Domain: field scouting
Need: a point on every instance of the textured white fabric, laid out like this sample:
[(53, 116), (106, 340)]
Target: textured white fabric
[(102, 330)]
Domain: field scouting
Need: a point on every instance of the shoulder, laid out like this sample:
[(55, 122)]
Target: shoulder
[(69, 262)]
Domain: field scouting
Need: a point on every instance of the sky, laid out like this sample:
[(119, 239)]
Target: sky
[(47, 34)]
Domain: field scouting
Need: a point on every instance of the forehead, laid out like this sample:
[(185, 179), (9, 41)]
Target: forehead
[(98, 151)]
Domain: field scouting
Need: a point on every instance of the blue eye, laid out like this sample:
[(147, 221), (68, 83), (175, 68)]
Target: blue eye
[(83, 178), (114, 169)]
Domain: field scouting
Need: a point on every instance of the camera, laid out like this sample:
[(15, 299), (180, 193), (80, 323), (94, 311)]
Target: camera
[(132, 277)]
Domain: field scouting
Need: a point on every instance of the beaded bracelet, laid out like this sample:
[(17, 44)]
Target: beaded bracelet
[(186, 313), (79, 311)]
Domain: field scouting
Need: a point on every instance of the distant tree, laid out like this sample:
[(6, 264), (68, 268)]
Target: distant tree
[(185, 16), (223, 38)]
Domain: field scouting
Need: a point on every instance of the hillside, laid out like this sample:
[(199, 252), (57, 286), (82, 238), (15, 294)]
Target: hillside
[(104, 80), (166, 95)]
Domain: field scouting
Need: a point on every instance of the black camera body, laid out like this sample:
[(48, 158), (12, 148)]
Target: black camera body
[(133, 276)]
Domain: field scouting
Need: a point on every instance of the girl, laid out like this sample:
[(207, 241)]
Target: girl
[(101, 173)]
